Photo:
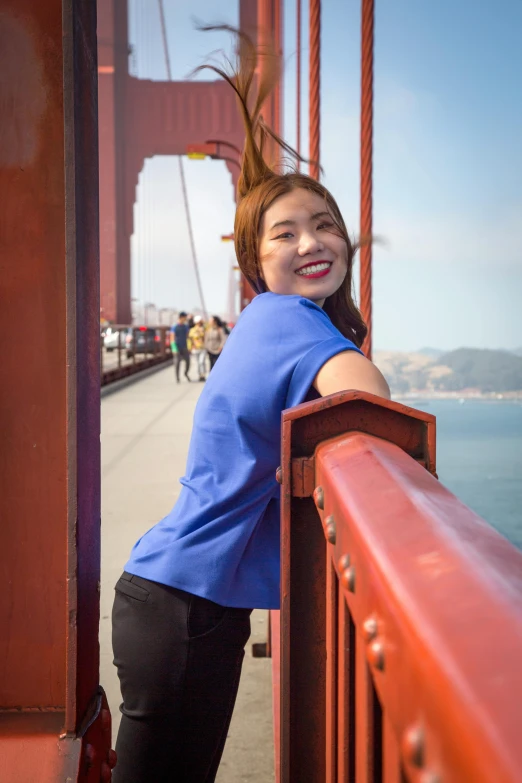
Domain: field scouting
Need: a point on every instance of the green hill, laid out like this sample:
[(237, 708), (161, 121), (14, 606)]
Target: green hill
[(466, 368), (473, 368)]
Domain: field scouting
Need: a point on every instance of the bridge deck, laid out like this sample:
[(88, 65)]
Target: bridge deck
[(145, 435)]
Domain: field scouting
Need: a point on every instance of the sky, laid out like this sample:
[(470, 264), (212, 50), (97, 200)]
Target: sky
[(447, 164)]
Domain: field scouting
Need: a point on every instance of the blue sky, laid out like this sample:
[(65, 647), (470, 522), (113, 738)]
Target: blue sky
[(447, 165)]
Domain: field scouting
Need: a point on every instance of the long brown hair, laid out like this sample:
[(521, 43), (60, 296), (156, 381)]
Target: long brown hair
[(259, 185)]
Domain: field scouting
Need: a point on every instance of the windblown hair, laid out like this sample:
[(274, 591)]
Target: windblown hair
[(259, 185)]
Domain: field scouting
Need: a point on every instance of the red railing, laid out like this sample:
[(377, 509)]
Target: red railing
[(401, 619), (123, 353)]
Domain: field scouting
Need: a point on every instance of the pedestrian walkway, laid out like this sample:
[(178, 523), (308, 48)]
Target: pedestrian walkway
[(145, 435)]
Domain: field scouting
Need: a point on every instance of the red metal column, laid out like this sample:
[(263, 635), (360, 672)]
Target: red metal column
[(366, 168), (315, 88), (117, 187), (50, 502)]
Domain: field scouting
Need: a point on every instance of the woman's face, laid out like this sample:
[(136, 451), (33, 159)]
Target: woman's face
[(298, 252)]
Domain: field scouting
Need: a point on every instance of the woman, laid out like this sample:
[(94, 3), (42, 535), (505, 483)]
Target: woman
[(181, 615), (215, 338)]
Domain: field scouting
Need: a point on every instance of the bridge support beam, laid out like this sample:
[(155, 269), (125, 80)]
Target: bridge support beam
[(54, 724)]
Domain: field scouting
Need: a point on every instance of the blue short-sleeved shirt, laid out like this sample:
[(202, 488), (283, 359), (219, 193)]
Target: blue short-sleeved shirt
[(221, 539)]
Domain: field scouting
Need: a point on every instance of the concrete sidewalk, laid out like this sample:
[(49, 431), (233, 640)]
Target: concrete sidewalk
[(145, 435)]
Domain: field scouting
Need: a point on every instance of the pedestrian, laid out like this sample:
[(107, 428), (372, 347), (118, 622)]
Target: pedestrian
[(182, 609), (196, 338), (215, 338), (181, 351)]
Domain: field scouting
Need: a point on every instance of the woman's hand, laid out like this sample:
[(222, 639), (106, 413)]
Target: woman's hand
[(350, 370)]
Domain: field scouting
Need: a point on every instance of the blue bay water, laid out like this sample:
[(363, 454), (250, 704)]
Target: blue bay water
[(479, 458)]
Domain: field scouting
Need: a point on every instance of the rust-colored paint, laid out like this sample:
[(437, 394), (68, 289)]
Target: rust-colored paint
[(428, 680), (50, 707), (33, 501), (366, 179), (314, 87)]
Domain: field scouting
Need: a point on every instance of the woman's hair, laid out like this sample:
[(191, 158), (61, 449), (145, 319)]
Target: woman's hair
[(259, 185)]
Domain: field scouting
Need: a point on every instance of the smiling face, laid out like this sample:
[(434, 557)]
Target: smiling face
[(300, 250)]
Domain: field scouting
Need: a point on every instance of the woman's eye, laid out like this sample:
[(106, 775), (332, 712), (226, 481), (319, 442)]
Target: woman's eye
[(324, 225), (285, 235)]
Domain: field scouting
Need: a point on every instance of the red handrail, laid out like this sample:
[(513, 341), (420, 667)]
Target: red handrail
[(401, 621)]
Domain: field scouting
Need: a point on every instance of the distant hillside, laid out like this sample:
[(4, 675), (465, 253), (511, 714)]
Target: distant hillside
[(466, 368), (433, 353), (489, 371)]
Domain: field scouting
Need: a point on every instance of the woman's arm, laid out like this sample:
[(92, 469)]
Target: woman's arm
[(350, 370)]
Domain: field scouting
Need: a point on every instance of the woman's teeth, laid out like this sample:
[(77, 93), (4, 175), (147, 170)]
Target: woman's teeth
[(311, 270)]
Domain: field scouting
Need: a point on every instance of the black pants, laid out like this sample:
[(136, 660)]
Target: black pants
[(213, 357), (182, 355), (179, 662)]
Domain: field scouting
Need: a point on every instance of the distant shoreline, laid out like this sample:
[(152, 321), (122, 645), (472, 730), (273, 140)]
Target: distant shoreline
[(466, 394)]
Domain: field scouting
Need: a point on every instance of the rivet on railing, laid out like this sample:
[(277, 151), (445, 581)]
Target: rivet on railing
[(369, 628), (319, 498), (348, 579), (375, 654), (279, 475), (329, 529), (412, 746), (344, 562)]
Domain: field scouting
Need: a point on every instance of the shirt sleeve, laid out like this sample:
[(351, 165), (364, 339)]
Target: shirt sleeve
[(308, 339)]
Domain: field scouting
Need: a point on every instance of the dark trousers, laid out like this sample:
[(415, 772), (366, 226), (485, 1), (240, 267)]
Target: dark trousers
[(179, 661), (182, 355), (212, 357)]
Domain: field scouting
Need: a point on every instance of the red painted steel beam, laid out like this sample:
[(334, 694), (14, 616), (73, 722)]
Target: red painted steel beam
[(55, 723), (423, 658)]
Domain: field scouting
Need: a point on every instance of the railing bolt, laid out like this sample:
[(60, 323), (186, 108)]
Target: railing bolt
[(344, 562), (329, 529), (279, 475), (319, 498), (348, 579), (413, 749), (369, 629), (375, 654)]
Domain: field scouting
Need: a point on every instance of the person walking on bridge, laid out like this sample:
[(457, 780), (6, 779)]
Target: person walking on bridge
[(182, 353), (215, 338), (196, 338), (181, 614)]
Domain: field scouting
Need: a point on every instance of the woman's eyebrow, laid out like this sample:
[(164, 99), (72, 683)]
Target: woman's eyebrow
[(292, 222)]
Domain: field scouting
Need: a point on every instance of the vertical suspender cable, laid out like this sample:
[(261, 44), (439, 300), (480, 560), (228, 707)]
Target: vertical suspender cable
[(278, 38), (182, 171), (298, 85), (315, 87), (367, 38)]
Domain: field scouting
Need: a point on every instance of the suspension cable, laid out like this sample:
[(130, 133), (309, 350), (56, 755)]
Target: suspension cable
[(298, 85), (181, 170), (367, 24), (315, 87)]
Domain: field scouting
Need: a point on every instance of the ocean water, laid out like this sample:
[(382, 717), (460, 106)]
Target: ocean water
[(479, 458)]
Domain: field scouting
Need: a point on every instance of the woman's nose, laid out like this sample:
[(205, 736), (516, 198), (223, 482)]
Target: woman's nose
[(309, 243)]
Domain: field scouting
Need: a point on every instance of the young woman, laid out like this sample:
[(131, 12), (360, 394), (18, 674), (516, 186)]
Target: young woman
[(215, 338), (181, 615)]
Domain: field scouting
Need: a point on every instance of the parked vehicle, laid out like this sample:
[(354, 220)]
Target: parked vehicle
[(141, 339), (110, 339)]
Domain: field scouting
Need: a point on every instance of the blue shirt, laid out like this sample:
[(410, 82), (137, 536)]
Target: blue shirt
[(180, 332), (221, 539)]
